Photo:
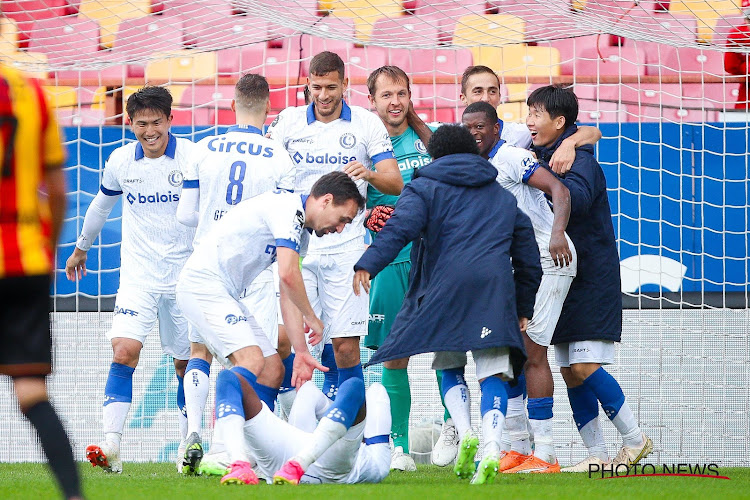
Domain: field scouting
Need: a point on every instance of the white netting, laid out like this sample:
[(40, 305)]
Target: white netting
[(651, 75)]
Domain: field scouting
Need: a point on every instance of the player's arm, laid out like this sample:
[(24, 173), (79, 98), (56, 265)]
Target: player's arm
[(551, 185), (189, 204), (581, 181), (420, 127), (54, 182), (386, 177), (93, 222), (527, 270), (562, 159)]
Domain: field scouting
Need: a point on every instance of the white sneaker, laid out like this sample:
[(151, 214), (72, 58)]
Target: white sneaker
[(630, 456), (583, 465), (105, 455), (180, 455), (445, 450), (402, 461)]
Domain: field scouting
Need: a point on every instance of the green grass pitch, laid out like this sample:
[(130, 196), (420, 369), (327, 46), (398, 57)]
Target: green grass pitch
[(160, 482)]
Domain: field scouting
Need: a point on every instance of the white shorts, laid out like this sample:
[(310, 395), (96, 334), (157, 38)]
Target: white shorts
[(585, 351), (547, 307), (260, 299), (492, 361), (136, 313), (328, 282), (223, 323)]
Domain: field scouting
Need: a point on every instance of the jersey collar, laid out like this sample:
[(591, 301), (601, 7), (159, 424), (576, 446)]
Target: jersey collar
[(346, 112), (304, 198), (500, 129), (170, 151), (248, 129), (496, 147)]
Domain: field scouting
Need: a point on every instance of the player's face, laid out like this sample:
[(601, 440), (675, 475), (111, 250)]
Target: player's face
[(544, 129), (482, 87), (391, 101), (151, 129), (483, 130), (333, 218), (327, 92)]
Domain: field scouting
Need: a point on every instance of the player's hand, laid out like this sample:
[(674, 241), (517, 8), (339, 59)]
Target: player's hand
[(412, 117), (361, 277), (523, 323), (562, 159), (559, 250), (75, 266), (303, 367), (357, 171), (315, 327), (377, 216)]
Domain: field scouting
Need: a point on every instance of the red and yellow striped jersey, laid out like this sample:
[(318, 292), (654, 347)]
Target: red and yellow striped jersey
[(29, 143)]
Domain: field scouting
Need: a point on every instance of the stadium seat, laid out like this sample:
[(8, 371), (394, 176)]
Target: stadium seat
[(138, 38), (215, 30), (724, 26), (8, 35), (431, 62), (542, 19), (437, 102), (359, 61), (612, 61), (716, 96), (653, 102), (259, 58), (445, 13), (81, 116), (109, 14), (181, 66), (485, 33), (672, 29), (203, 100), (707, 13), (406, 30), (591, 109), (26, 12), (66, 41), (363, 12), (356, 95), (192, 8), (312, 45), (568, 48), (521, 60), (689, 61)]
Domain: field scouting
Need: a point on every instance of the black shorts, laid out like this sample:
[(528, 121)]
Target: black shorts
[(25, 341)]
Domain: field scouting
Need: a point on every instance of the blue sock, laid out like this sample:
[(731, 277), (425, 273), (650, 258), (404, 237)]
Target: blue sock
[(451, 378), (181, 395), (229, 391), (286, 384), (494, 396), (198, 364), (607, 391), (119, 387), (584, 405), (540, 408), (266, 394), (353, 372), (516, 390), (331, 377), (350, 398)]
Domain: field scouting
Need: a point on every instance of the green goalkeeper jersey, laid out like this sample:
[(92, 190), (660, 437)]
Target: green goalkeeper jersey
[(411, 154)]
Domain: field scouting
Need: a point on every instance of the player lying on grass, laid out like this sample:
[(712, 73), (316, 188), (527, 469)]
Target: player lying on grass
[(231, 255)]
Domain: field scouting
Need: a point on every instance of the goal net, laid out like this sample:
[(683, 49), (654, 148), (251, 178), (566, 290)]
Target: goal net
[(650, 74)]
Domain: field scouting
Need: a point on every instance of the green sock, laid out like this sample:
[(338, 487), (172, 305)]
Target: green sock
[(439, 376), (396, 384)]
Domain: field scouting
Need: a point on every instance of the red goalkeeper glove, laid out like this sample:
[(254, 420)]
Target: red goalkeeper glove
[(377, 216)]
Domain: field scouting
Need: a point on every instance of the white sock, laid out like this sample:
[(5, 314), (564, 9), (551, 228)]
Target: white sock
[(232, 428), (458, 403), (516, 426), (309, 406), (492, 431), (114, 438), (505, 439), (217, 440), (183, 422), (286, 400), (196, 387), (114, 415), (327, 433), (593, 439), (378, 421), (544, 446), (625, 423)]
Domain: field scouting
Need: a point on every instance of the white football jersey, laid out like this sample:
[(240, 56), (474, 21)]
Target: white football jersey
[(319, 148), (514, 168), (154, 245), (233, 167), (243, 243), (515, 134)]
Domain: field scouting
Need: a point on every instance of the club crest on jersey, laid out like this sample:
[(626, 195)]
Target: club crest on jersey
[(231, 319), (348, 140), (175, 178), (419, 146)]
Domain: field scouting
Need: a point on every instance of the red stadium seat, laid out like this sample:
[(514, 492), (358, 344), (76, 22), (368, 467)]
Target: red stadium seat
[(137, 38), (26, 12), (437, 102), (66, 40), (654, 102), (428, 62), (194, 8), (359, 61), (673, 29), (204, 100), (407, 30), (724, 26), (312, 45), (716, 96), (84, 117), (357, 96), (258, 58), (212, 30), (690, 61), (615, 61), (570, 47)]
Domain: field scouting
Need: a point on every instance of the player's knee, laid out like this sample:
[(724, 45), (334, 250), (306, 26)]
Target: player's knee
[(346, 351), (273, 372), (285, 346), (126, 351), (29, 391), (581, 371), (200, 351), (179, 367)]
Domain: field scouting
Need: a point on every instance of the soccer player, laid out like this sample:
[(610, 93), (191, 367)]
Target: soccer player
[(520, 173), (390, 95), (154, 248), (227, 169), (32, 206), (248, 239), (326, 136), (591, 319), (476, 272)]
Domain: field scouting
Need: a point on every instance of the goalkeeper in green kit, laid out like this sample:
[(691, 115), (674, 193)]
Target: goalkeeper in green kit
[(390, 95)]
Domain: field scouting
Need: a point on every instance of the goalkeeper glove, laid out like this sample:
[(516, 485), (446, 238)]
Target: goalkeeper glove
[(377, 216)]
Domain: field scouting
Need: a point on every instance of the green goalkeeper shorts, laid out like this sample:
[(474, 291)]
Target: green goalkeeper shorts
[(386, 297)]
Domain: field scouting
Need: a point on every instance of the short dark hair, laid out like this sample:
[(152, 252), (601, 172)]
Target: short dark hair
[(394, 73), (557, 101), (340, 186), (251, 92), (482, 107), (151, 98), (475, 70), (450, 140), (326, 62)]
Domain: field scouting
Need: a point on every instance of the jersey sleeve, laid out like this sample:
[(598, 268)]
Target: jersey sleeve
[(527, 165), (111, 178), (54, 153), (191, 167), (379, 145), (288, 173), (516, 134), (285, 219)]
